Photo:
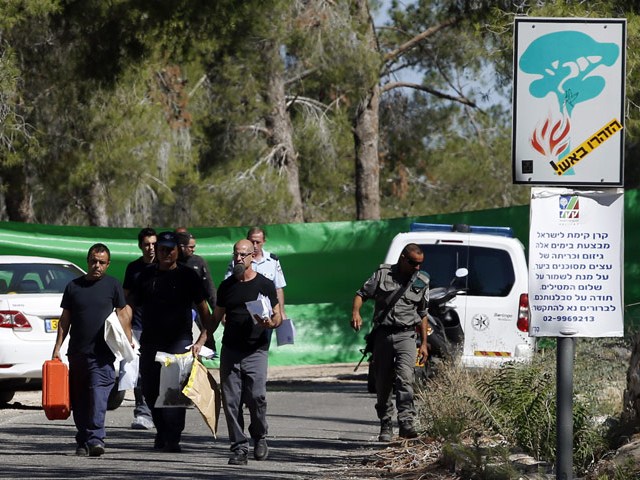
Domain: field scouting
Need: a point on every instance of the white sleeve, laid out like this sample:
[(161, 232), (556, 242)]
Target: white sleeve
[(229, 270), (279, 280)]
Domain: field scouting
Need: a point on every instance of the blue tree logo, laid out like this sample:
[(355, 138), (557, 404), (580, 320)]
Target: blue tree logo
[(566, 64)]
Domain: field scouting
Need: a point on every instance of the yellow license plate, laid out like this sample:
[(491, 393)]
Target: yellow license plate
[(51, 325)]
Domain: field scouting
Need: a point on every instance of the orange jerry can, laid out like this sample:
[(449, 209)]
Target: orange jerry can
[(55, 390)]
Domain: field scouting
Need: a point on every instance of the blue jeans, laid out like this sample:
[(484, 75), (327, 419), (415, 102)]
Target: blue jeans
[(90, 382), (141, 408)]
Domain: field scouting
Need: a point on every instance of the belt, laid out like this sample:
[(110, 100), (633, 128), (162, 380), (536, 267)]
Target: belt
[(396, 328)]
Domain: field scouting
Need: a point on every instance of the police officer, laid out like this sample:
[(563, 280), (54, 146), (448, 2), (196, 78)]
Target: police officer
[(401, 295), (265, 263)]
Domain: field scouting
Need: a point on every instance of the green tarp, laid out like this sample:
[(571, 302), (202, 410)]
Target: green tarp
[(324, 264)]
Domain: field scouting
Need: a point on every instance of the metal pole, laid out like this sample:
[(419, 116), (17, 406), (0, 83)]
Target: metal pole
[(564, 408)]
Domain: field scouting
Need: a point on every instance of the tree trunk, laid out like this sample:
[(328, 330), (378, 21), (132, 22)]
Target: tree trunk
[(96, 207), (631, 400), (278, 123), (365, 132), (18, 198)]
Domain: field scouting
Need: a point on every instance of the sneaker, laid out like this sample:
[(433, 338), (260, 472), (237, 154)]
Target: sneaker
[(172, 447), (142, 423), (260, 449), (238, 458), (82, 451), (407, 430), (96, 450), (386, 431)]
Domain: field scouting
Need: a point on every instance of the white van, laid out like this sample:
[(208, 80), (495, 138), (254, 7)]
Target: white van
[(494, 308)]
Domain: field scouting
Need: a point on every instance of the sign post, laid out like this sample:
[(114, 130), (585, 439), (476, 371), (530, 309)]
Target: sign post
[(568, 112)]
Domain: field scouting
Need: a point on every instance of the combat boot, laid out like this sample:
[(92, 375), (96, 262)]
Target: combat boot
[(407, 430), (386, 431)]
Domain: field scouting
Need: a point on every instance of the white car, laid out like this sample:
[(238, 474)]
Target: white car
[(494, 305), (31, 289)]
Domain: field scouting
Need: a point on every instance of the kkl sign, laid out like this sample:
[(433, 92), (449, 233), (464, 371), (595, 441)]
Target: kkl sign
[(568, 101)]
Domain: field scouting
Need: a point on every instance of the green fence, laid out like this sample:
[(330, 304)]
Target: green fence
[(324, 264)]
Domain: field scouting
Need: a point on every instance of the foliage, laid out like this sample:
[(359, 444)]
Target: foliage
[(138, 112), (514, 406)]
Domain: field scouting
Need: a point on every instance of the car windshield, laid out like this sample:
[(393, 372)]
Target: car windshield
[(36, 277), (491, 271)]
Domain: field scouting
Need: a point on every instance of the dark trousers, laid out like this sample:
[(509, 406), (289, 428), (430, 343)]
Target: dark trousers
[(169, 422), (141, 409), (90, 382), (243, 379)]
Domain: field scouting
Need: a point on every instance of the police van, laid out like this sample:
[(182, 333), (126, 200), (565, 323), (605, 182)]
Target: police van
[(493, 303)]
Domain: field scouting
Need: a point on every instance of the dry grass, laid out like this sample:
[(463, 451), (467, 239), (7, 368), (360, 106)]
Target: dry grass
[(457, 444)]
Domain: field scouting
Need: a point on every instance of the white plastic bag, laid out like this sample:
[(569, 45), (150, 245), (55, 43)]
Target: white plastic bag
[(117, 340), (174, 373), (128, 377)]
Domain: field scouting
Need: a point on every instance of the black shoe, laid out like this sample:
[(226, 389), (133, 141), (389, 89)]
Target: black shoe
[(407, 430), (172, 447), (82, 451), (158, 443), (260, 449), (386, 431), (96, 450), (238, 458)]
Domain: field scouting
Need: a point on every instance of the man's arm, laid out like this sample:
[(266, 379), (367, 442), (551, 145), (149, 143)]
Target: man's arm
[(280, 295), (209, 286), (423, 351), (63, 329), (216, 318), (125, 315), (356, 319), (274, 321), (205, 318)]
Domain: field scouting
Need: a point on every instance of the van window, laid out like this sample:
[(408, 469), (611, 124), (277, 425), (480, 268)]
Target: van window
[(491, 272)]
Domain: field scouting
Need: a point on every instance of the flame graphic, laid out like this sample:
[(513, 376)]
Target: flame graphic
[(551, 139)]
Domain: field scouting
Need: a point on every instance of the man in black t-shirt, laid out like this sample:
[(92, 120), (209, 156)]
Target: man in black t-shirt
[(188, 257), (87, 301), (147, 238), (244, 355), (166, 291)]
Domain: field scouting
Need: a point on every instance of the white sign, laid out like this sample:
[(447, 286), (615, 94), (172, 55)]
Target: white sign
[(575, 263), (568, 101)]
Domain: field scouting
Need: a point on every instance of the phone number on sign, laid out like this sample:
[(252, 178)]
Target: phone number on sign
[(569, 318)]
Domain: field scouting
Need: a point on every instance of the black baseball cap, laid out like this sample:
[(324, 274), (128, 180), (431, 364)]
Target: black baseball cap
[(167, 239)]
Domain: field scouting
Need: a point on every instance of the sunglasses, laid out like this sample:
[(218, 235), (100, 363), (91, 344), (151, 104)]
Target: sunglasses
[(413, 263)]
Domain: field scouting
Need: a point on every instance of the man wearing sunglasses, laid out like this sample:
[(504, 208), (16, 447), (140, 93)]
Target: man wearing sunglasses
[(166, 291), (401, 295)]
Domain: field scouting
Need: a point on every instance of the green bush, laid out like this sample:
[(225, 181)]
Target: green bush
[(515, 406)]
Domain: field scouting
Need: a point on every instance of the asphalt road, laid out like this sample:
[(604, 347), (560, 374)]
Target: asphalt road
[(321, 423)]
